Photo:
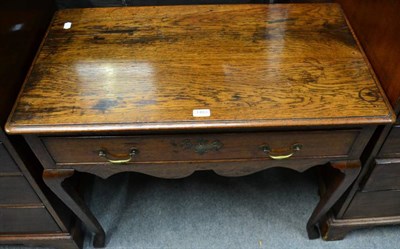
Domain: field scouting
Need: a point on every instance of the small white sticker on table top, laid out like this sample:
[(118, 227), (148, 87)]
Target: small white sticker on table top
[(67, 25), (201, 113)]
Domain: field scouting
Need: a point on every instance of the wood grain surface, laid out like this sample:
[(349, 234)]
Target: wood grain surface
[(142, 68)]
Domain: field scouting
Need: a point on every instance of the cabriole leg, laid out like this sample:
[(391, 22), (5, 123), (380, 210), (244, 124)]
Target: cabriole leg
[(55, 180), (348, 171)]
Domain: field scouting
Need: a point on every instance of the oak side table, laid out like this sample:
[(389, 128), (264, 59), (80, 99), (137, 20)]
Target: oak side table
[(167, 91)]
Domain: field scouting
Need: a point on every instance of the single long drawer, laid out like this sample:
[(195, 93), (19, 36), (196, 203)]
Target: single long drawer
[(374, 204), (187, 147), (26, 220), (384, 176), (391, 147), (7, 164), (16, 190)]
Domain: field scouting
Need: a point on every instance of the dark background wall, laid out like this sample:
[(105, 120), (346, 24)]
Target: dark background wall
[(22, 26), (112, 3)]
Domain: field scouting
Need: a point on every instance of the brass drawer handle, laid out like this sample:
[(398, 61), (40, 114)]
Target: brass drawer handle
[(279, 154), (132, 153)]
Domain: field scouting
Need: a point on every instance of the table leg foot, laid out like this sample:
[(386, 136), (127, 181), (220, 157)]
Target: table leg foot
[(334, 233), (312, 232), (55, 180), (348, 171), (99, 240)]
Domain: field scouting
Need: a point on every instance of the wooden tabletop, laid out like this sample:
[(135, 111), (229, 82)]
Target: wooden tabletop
[(148, 68)]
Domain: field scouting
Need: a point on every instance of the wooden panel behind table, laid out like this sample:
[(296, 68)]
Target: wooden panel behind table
[(23, 25), (377, 26)]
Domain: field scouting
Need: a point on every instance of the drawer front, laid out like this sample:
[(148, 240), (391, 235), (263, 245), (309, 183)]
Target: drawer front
[(185, 147), (26, 220), (391, 147), (374, 204), (384, 176), (16, 190), (7, 164)]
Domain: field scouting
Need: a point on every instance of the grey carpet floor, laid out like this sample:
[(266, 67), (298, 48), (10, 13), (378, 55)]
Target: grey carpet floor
[(268, 209)]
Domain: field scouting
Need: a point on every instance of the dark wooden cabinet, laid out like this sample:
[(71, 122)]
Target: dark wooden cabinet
[(7, 164), (28, 221), (374, 198), (374, 204), (379, 190), (29, 212), (15, 189), (385, 175), (391, 147)]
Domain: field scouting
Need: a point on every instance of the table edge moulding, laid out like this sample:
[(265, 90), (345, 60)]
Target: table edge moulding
[(118, 92)]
